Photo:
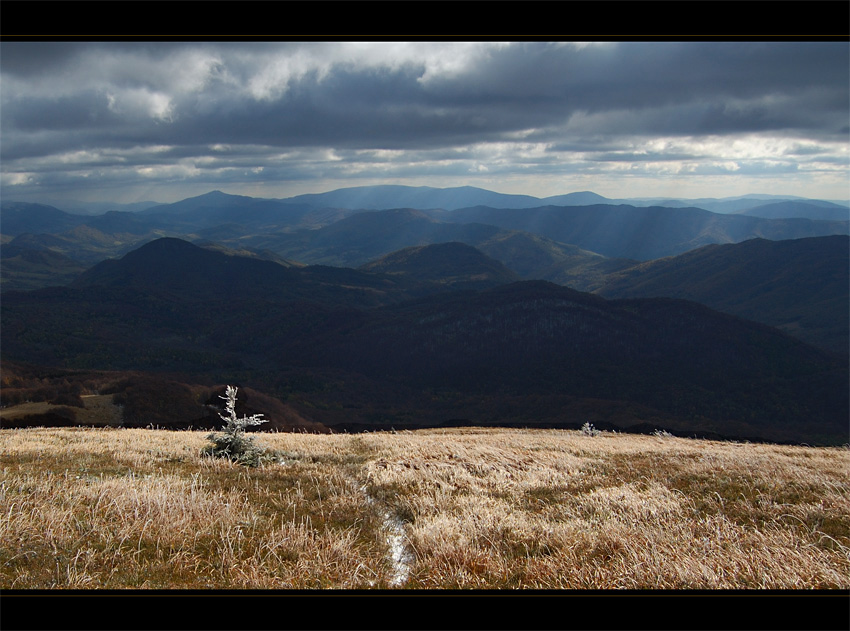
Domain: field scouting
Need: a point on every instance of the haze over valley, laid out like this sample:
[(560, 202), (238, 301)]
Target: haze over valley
[(347, 316)]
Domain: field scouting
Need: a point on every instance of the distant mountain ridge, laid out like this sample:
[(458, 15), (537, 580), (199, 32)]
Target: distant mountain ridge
[(383, 197), (420, 197), (247, 215), (644, 233), (577, 246), (344, 345), (415, 313), (806, 209), (22, 217)]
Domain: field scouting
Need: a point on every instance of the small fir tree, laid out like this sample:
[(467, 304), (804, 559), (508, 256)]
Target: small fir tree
[(589, 430), (233, 443)]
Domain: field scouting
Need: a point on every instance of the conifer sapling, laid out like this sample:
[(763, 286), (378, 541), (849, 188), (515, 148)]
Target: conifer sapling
[(233, 443)]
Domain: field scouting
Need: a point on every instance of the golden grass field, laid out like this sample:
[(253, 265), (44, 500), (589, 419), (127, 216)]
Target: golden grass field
[(458, 509)]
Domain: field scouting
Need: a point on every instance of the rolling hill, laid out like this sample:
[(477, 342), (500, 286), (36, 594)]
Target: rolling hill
[(337, 228), (21, 217), (535, 257), (420, 197), (444, 265), (801, 286), (434, 326), (354, 347), (34, 269), (804, 209), (383, 197), (644, 233), (366, 236), (215, 208), (175, 268), (534, 243)]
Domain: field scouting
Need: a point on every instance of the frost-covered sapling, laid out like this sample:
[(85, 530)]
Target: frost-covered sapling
[(233, 443), (589, 430)]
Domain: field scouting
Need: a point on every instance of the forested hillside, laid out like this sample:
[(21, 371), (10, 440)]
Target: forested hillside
[(363, 348)]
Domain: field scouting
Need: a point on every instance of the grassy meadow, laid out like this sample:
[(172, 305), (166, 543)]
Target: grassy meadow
[(451, 509)]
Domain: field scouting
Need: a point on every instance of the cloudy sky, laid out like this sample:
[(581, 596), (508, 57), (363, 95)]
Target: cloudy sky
[(161, 121)]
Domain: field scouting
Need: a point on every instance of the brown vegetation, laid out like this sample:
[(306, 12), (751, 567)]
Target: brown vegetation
[(478, 508), (33, 397)]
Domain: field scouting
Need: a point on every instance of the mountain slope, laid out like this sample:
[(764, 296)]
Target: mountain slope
[(452, 264), (216, 208), (537, 258), (349, 346), (83, 244), (33, 269), (420, 197), (181, 270), (534, 347), (632, 232), (801, 286), (363, 237), (584, 198), (366, 236), (18, 218), (384, 197), (644, 233), (805, 209)]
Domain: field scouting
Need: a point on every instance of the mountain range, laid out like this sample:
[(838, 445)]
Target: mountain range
[(390, 346), (434, 311), (308, 230), (425, 197)]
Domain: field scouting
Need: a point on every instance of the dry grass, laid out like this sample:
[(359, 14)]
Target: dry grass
[(98, 410), (480, 508)]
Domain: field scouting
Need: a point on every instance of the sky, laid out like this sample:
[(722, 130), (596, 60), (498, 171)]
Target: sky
[(129, 121)]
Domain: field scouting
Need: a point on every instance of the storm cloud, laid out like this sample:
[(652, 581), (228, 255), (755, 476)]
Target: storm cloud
[(162, 120)]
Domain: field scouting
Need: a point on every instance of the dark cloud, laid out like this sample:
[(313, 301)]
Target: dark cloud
[(24, 59), (86, 111), (225, 109)]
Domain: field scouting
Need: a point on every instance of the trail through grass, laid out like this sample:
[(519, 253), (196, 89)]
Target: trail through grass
[(447, 509)]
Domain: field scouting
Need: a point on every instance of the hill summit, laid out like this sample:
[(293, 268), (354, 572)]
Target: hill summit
[(171, 264), (452, 264)]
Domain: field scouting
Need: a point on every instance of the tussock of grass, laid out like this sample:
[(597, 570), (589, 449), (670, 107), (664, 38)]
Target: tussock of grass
[(131, 508)]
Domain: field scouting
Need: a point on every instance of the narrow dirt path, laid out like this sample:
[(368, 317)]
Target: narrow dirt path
[(400, 554)]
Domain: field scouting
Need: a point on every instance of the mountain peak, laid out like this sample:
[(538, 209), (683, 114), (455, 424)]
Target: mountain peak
[(166, 244), (580, 198), (213, 199), (172, 264), (217, 194)]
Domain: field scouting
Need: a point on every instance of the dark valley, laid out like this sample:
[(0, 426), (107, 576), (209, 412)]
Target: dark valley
[(344, 311)]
